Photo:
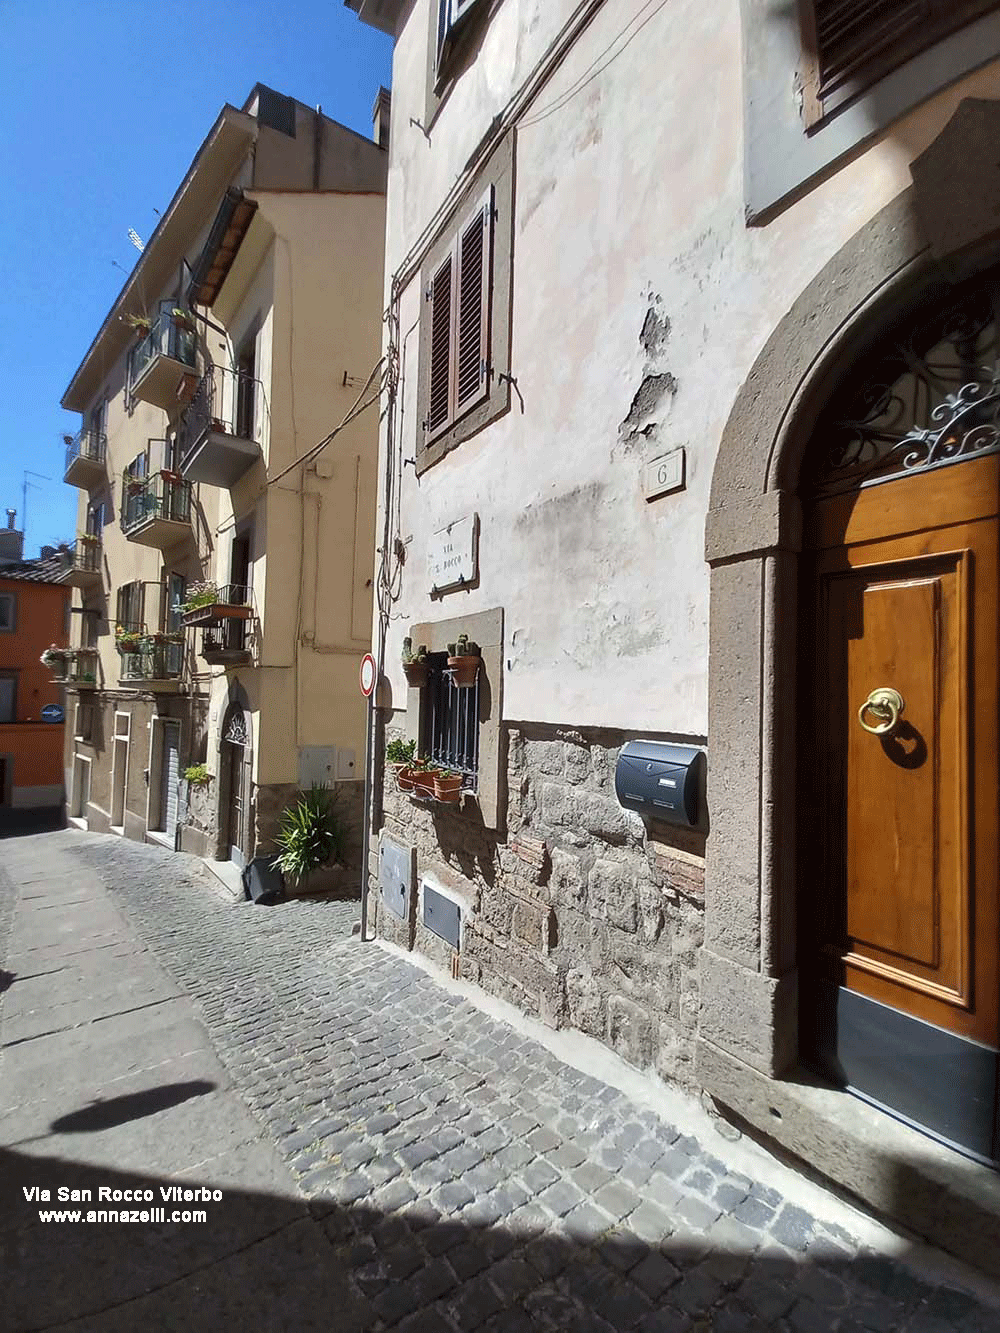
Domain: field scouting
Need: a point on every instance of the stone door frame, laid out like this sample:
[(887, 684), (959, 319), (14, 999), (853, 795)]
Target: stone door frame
[(943, 228)]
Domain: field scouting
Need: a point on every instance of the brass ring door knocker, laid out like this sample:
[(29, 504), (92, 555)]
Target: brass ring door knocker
[(885, 704)]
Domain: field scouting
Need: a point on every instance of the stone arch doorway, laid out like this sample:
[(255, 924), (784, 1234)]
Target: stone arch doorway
[(235, 770), (904, 259), (898, 780)]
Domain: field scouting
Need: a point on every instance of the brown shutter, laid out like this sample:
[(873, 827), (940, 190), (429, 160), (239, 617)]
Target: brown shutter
[(848, 45), (439, 410), (472, 324), (120, 607)]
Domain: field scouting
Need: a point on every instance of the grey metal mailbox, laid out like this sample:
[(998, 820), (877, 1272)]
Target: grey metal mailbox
[(395, 874), (661, 781)]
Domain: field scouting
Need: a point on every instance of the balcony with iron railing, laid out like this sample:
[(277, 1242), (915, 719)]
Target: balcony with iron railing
[(82, 563), (82, 668), (156, 511), (159, 362), (85, 459), (154, 661), (217, 435), (223, 615), (72, 666)]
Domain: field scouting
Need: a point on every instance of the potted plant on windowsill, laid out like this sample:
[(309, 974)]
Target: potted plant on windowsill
[(414, 664), (399, 756), (423, 773), (463, 662), (197, 775), (447, 786)]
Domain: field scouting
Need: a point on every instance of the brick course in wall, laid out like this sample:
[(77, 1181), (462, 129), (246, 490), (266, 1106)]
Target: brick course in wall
[(577, 913)]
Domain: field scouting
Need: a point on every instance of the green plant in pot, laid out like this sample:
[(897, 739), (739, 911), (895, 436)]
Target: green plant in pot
[(399, 756), (310, 835), (198, 775), (414, 664), (447, 785), (463, 661), (423, 773)]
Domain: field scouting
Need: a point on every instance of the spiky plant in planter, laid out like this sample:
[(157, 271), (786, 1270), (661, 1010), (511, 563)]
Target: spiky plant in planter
[(414, 664), (463, 660), (310, 835)]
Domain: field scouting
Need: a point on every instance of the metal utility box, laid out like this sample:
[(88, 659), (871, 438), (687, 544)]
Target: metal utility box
[(395, 876), (442, 916), (661, 781)]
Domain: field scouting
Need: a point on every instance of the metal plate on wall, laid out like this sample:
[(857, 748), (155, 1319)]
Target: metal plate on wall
[(395, 876), (442, 916)]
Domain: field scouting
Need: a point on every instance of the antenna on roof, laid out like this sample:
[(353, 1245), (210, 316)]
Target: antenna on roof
[(134, 237)]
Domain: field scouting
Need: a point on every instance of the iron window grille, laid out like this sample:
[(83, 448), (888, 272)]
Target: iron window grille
[(451, 722)]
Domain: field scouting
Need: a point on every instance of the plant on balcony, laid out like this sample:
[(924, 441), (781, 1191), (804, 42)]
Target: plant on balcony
[(173, 477), (157, 637), (414, 664), (463, 661), (198, 775), (55, 658), (139, 324), (183, 319), (89, 538), (199, 595), (310, 835), (127, 640)]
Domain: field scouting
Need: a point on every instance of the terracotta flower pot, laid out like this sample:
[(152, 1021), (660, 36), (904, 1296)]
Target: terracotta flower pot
[(404, 778), (416, 674), (466, 669), (423, 783), (447, 789)]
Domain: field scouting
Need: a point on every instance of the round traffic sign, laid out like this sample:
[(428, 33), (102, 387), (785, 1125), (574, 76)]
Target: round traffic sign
[(368, 673), (53, 713)]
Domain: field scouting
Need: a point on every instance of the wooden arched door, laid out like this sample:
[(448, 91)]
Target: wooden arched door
[(898, 762)]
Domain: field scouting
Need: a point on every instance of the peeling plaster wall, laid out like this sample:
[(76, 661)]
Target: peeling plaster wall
[(640, 301)]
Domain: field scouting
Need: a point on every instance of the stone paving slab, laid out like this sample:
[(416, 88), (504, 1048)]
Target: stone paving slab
[(464, 1177)]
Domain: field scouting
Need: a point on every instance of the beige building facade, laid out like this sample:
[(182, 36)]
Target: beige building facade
[(223, 562), (690, 319)]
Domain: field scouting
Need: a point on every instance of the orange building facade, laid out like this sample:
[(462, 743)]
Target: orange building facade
[(34, 610)]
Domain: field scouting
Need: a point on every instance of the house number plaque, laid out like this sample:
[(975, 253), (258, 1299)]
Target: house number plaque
[(453, 557)]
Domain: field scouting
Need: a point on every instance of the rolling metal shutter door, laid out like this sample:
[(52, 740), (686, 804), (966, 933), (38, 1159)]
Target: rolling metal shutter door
[(171, 776)]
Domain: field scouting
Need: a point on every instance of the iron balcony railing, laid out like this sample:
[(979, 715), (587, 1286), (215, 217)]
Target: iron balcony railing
[(163, 495), (226, 401), (81, 667), (84, 555), (89, 445), (165, 338), (158, 657)]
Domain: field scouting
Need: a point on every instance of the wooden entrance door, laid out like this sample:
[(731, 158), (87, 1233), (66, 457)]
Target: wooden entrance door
[(898, 854)]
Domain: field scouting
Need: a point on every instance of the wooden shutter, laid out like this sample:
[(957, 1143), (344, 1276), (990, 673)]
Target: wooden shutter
[(848, 45), (475, 247), (439, 405)]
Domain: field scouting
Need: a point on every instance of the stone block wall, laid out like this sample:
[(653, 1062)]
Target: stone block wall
[(576, 912)]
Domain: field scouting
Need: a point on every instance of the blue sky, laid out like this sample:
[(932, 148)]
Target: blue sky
[(105, 104)]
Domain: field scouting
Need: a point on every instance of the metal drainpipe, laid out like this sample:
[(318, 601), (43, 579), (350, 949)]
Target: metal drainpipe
[(366, 824)]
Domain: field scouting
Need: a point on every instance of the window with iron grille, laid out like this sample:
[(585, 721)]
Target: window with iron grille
[(849, 45), (450, 721), (465, 321)]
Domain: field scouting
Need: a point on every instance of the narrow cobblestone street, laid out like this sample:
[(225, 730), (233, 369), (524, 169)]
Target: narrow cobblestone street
[(390, 1154)]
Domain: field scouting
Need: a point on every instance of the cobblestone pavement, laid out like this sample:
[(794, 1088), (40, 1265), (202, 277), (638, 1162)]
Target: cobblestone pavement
[(468, 1179)]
